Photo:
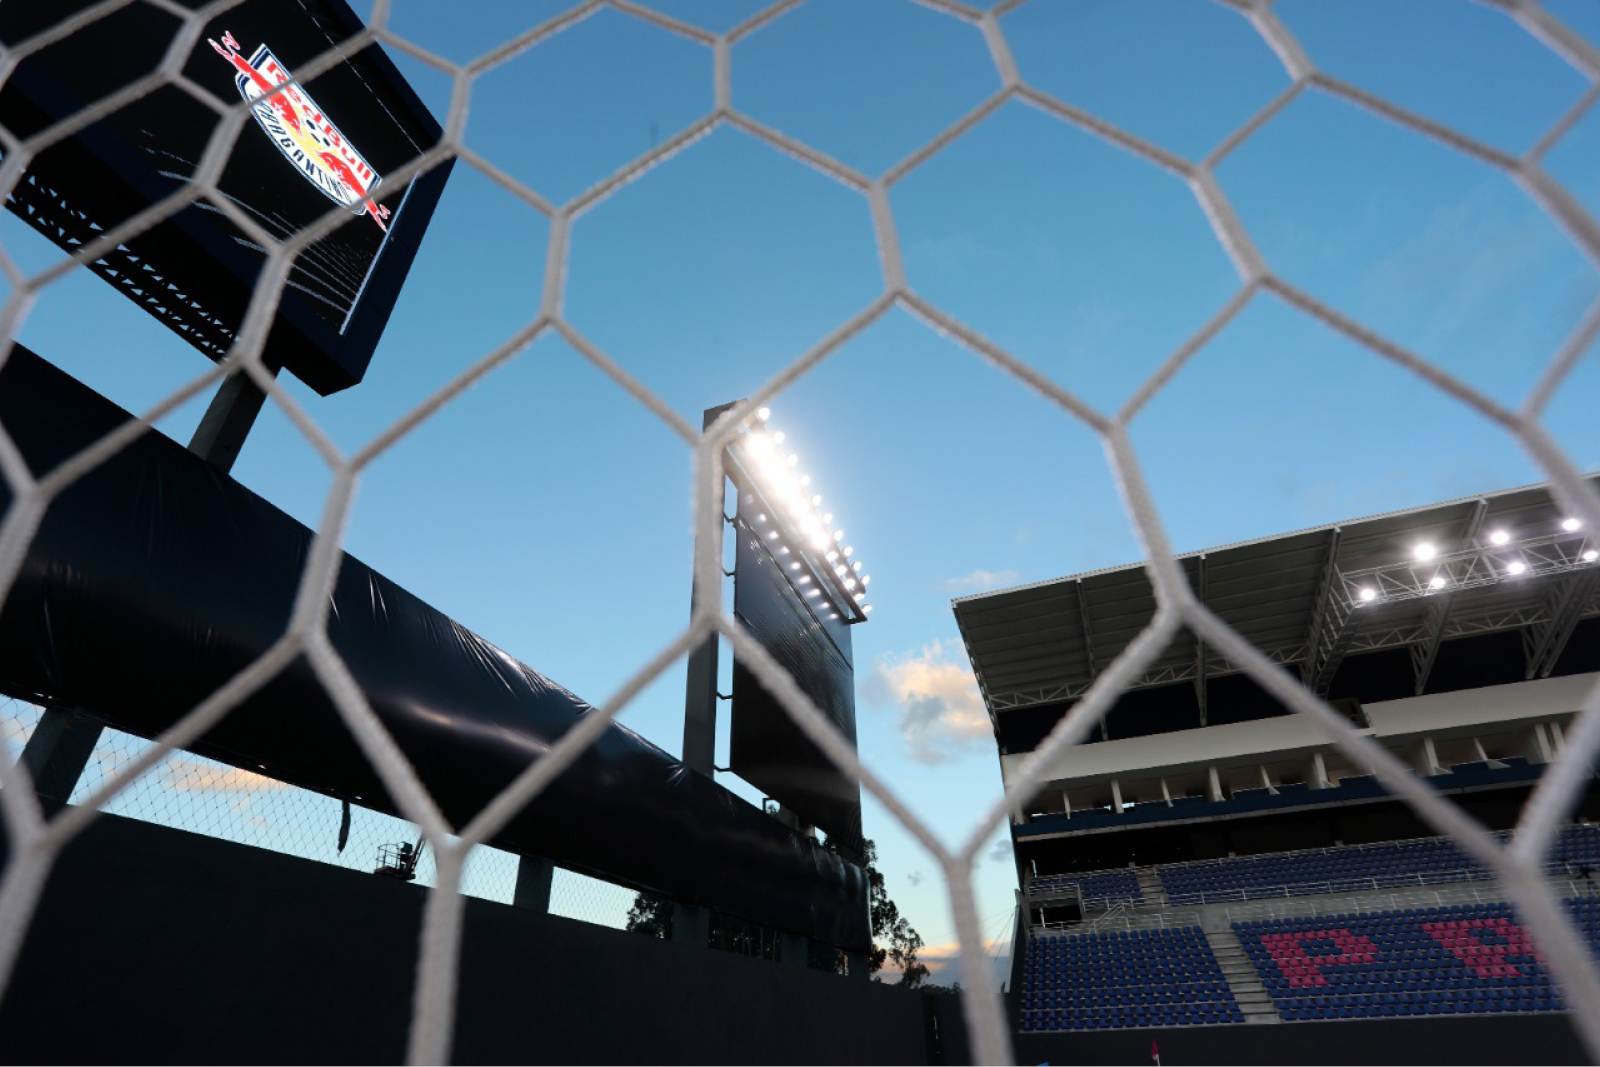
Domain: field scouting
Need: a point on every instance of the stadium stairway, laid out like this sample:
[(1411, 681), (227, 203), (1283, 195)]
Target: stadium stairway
[(1254, 1000), (1150, 886)]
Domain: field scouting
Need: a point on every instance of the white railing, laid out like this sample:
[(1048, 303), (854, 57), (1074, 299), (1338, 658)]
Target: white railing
[(1118, 920), (1487, 892), (1346, 885)]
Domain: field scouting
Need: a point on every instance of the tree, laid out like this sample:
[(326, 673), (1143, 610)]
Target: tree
[(651, 915), (894, 940)]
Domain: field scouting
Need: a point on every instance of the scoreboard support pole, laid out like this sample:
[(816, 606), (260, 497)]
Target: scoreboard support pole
[(700, 690), (59, 749), (691, 923)]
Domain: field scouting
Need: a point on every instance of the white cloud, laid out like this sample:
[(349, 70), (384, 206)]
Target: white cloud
[(940, 708), (979, 581), (186, 774), (1000, 851)]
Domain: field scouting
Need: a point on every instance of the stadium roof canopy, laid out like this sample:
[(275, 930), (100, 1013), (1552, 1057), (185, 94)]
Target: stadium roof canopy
[(1505, 561)]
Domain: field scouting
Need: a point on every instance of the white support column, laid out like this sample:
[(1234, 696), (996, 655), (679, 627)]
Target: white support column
[(1116, 797), (1558, 740), (1477, 749), (1539, 749), (1317, 772), (1428, 758), (1214, 781), (1266, 779), (1166, 794), (1066, 803)]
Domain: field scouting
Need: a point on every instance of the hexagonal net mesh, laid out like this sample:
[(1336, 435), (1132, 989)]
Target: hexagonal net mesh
[(38, 841)]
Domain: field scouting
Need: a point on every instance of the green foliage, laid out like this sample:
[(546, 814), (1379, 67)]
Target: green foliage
[(651, 915), (894, 940)]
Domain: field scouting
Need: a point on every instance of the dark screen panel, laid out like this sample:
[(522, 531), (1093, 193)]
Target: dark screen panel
[(333, 143), (767, 748)]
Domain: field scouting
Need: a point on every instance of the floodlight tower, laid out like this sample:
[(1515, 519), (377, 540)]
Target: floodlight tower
[(798, 588), (791, 516)]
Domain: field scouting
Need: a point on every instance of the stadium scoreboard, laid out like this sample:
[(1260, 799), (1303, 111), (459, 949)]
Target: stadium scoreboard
[(332, 143)]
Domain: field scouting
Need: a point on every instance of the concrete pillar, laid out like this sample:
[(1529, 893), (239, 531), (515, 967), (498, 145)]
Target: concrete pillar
[(691, 924), (532, 890), (1214, 783), (1116, 797), (1317, 772), (1428, 756), (1539, 749), (794, 950), (57, 752)]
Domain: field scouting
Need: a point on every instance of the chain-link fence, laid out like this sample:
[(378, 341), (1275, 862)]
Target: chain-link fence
[(17, 721), (204, 796), (37, 842)]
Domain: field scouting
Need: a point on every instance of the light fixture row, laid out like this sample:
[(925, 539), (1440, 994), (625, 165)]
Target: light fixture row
[(1426, 551), (786, 486)]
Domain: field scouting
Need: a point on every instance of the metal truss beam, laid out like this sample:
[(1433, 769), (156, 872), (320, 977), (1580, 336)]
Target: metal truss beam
[(1199, 643), (1425, 653), (1473, 567), (1088, 650), (1566, 605), (1326, 637), (1188, 671)]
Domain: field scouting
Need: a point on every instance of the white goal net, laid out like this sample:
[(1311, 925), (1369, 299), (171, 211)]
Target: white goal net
[(37, 842)]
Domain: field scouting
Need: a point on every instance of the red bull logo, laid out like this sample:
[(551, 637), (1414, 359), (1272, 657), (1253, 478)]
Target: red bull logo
[(302, 131)]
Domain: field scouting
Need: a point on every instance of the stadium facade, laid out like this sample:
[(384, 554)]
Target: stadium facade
[(1207, 858)]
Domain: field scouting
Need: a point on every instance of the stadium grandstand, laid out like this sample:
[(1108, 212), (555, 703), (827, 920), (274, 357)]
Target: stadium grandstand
[(1207, 858)]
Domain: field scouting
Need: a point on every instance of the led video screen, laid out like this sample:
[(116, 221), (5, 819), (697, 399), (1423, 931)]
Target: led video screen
[(766, 747), (333, 142)]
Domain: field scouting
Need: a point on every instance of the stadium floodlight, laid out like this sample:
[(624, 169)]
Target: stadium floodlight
[(1498, 537), (1368, 594), (1590, 555), (762, 462), (1571, 525), (763, 414), (1436, 582), (1424, 551), (1516, 567)]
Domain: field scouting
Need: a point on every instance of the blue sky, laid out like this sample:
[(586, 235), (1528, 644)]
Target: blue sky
[(550, 512)]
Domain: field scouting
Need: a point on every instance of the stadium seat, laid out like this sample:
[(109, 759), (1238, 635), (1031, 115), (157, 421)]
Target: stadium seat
[(1462, 959), (1140, 978)]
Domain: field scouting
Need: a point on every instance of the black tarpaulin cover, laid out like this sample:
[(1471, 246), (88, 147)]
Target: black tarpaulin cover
[(155, 578)]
